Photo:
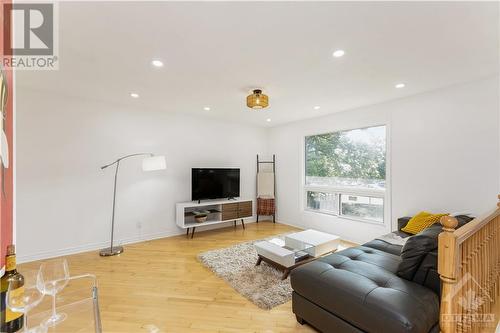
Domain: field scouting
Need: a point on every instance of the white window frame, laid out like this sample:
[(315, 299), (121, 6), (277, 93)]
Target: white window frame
[(338, 190)]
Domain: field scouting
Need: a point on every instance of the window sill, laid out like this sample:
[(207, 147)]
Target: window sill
[(381, 224)]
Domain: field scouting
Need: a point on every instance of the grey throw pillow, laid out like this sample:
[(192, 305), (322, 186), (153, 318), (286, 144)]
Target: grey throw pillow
[(417, 247)]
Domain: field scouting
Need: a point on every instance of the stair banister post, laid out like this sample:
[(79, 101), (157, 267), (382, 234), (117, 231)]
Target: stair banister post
[(447, 268)]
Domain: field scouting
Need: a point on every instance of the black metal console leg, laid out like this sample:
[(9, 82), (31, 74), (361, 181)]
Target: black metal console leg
[(257, 218), (300, 320), (243, 223), (274, 218), (187, 232), (234, 223), (192, 234)]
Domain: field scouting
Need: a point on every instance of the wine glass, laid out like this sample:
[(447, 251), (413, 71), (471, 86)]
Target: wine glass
[(26, 298), (55, 275)]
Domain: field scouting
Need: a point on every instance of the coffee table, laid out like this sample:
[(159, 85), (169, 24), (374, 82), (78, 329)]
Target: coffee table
[(297, 249)]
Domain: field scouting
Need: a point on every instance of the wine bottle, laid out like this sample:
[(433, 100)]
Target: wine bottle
[(10, 321)]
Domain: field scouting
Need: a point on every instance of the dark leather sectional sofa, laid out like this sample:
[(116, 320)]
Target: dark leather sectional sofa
[(377, 287)]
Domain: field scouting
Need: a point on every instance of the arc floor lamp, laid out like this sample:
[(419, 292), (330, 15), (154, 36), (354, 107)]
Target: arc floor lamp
[(151, 162)]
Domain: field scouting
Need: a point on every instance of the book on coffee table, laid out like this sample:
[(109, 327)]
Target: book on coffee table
[(301, 255)]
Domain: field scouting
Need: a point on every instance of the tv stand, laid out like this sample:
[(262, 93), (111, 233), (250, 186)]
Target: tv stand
[(220, 211)]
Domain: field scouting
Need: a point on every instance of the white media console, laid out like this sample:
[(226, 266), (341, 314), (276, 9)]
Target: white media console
[(220, 211)]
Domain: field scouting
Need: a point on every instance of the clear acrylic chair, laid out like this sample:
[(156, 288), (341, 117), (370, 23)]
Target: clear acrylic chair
[(79, 300)]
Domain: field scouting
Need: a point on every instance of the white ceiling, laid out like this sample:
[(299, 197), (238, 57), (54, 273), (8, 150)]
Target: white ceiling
[(216, 52)]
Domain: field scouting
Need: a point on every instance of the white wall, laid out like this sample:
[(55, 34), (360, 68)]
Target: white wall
[(443, 155), (64, 199)]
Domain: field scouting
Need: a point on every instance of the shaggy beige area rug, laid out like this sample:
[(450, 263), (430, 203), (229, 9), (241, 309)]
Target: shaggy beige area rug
[(260, 284)]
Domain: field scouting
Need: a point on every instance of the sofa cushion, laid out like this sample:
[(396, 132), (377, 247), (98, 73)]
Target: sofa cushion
[(415, 249), (382, 245), (388, 247), (376, 258), (359, 285), (403, 221), (427, 274), (418, 247)]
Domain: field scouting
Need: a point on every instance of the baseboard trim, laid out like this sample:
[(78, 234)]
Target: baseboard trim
[(296, 225), (124, 241), (95, 246)]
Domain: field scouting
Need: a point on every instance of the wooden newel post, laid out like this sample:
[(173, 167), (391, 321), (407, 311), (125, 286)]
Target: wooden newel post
[(447, 261)]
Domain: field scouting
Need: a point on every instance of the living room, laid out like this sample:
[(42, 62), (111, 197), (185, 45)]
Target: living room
[(251, 167)]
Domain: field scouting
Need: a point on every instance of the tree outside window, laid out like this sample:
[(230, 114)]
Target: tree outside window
[(354, 160)]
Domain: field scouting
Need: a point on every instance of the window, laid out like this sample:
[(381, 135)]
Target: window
[(322, 201), (345, 173), (368, 208)]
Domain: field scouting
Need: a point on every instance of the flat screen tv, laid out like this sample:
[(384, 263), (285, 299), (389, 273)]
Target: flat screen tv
[(215, 183)]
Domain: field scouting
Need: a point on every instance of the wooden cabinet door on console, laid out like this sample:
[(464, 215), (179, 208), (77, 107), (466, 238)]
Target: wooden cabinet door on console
[(245, 209), (236, 210), (229, 211)]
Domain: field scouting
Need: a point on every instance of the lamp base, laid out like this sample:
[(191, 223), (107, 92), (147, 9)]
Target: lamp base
[(111, 251)]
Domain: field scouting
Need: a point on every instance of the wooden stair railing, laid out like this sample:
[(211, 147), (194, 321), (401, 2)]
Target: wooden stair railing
[(469, 268)]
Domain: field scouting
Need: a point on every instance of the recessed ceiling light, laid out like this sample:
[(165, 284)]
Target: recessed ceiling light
[(134, 95), (400, 85), (338, 53), (206, 108), (317, 107), (157, 63), (268, 120)]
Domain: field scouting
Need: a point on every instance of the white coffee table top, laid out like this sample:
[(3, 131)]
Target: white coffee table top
[(312, 237), (273, 248)]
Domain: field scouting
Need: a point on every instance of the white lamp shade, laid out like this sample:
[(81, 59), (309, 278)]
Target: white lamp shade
[(154, 163)]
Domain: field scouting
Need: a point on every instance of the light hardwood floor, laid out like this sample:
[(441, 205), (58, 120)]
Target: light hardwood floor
[(161, 283)]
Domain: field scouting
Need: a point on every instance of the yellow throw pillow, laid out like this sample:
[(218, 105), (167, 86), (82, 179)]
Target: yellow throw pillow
[(421, 221)]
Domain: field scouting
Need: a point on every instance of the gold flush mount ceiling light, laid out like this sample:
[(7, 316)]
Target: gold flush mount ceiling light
[(257, 100)]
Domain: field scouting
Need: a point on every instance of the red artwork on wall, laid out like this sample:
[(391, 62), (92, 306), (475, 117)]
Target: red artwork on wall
[(6, 148)]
